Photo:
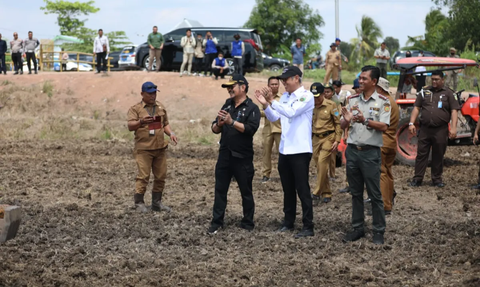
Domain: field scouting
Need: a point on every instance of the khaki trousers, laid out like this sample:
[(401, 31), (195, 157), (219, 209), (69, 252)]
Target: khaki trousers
[(322, 154), (150, 161), (157, 54), (331, 71), (386, 176), (187, 58), (333, 163), (268, 140), (300, 66)]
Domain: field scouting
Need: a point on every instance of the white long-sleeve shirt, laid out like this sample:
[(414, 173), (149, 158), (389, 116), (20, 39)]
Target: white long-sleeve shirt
[(98, 44), (188, 44), (295, 112)]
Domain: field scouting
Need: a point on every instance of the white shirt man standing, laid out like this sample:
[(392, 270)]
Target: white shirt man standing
[(101, 49), (188, 43), (295, 111)]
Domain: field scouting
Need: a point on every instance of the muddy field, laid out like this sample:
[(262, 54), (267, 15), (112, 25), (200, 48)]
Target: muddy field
[(80, 228)]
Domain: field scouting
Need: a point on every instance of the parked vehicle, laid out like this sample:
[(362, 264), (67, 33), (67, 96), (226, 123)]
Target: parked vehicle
[(172, 54), (273, 63), (127, 57), (402, 54), (114, 62)]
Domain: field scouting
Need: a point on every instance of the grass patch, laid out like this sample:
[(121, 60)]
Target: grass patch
[(48, 88), (96, 115), (5, 83), (198, 133)]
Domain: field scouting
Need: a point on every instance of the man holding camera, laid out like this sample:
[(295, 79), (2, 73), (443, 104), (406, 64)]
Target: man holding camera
[(149, 120), (188, 43)]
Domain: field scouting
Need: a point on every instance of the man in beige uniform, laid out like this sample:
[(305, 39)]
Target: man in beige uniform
[(333, 63), (271, 133), (326, 135), (149, 120)]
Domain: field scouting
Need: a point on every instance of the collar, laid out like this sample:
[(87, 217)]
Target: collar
[(246, 102), (297, 92), (146, 105), (374, 96)]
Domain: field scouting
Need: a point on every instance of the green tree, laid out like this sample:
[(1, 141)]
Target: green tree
[(392, 44), (368, 33), (117, 40), (281, 21), (68, 13)]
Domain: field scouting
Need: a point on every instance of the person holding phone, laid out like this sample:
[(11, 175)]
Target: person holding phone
[(237, 121), (149, 120), (210, 43), (188, 43)]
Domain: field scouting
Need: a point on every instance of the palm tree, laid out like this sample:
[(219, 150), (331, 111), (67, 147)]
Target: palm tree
[(367, 41)]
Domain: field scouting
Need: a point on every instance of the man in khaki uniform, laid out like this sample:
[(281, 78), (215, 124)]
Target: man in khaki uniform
[(326, 135), (272, 132), (329, 95), (389, 148), (333, 63), (149, 120), (452, 76)]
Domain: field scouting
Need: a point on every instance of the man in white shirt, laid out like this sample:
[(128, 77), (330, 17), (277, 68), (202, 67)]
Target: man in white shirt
[(295, 110), (188, 43), (340, 94), (101, 49)]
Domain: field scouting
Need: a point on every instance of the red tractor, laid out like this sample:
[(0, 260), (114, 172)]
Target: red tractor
[(467, 118)]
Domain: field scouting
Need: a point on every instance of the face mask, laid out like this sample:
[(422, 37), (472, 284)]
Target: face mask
[(220, 58)]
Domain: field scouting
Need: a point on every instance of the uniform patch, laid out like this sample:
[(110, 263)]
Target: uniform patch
[(382, 97), (456, 99), (336, 114), (302, 99), (387, 108)]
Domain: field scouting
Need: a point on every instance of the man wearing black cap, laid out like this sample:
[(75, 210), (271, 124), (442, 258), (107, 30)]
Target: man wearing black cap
[(149, 120), (326, 135), (333, 63), (295, 112), (237, 121)]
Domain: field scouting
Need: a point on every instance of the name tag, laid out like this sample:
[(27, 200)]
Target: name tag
[(440, 104)]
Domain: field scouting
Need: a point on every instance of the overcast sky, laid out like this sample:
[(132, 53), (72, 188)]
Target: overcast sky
[(397, 18)]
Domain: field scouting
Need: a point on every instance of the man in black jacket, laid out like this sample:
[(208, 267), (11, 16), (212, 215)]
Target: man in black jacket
[(3, 50), (237, 121)]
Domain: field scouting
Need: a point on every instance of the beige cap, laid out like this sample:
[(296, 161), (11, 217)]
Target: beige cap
[(453, 49), (384, 84)]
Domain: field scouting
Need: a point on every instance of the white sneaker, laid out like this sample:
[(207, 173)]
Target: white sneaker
[(194, 74), (181, 75)]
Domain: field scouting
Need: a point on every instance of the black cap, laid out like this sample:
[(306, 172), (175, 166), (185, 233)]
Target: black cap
[(333, 44), (236, 79), (337, 83), (328, 86), (316, 89), (290, 71)]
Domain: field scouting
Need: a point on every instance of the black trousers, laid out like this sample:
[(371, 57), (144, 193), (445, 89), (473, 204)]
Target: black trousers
[(238, 64), (217, 73), (435, 138), (31, 56), (17, 62), (420, 82), (208, 62), (101, 62), (198, 65), (3, 66), (243, 171), (293, 170)]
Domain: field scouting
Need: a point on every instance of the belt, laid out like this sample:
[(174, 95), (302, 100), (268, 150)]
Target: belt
[(363, 147), (322, 135)]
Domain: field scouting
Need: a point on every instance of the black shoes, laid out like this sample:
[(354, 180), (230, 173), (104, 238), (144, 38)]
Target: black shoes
[(438, 184), (476, 186), (29, 72), (388, 212), (354, 235), (327, 199), (285, 228), (36, 72), (213, 229), (344, 190), (265, 179), (378, 238), (416, 183), (305, 233)]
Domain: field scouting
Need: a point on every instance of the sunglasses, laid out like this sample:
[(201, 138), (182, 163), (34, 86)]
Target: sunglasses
[(151, 87)]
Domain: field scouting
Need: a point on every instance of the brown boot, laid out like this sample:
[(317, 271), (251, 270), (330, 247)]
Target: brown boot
[(157, 202), (139, 203)]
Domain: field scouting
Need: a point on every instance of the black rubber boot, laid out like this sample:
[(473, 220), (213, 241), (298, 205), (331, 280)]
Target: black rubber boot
[(139, 203), (157, 202)]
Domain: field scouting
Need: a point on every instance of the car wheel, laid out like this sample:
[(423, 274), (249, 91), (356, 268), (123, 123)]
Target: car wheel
[(73, 69), (275, 68), (146, 62)]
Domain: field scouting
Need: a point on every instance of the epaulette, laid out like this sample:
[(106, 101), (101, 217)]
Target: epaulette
[(383, 97), (354, 96)]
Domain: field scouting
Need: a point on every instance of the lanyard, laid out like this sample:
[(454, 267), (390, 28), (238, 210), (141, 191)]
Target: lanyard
[(153, 114)]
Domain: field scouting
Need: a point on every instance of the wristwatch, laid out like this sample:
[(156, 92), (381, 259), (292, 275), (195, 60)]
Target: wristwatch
[(233, 123), (365, 123), (410, 124)]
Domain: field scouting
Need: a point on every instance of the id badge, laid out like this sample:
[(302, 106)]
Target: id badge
[(151, 132), (440, 104)]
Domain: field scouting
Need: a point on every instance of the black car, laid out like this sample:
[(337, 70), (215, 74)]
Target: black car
[(274, 64), (114, 61), (401, 54), (172, 54)]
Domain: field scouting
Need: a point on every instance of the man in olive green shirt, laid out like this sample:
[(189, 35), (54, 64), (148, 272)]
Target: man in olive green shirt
[(155, 42)]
